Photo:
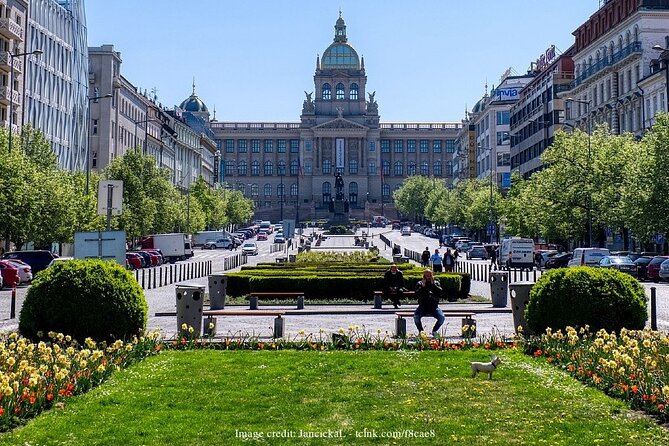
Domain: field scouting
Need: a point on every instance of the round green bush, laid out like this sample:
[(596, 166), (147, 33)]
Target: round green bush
[(84, 298), (598, 297)]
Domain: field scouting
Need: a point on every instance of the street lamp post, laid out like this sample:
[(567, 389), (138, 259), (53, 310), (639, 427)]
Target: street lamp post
[(491, 220), (88, 139), (11, 89), (589, 199), (665, 58)]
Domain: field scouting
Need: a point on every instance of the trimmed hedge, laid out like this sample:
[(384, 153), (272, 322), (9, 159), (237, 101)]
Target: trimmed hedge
[(598, 297), (84, 298)]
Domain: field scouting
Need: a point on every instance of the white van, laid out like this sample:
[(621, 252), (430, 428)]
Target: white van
[(588, 256), (516, 253)]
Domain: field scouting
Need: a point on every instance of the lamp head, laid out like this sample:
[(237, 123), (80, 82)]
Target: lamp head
[(37, 52), (659, 48)]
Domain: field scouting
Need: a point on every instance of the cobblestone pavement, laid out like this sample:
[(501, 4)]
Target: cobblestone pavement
[(163, 300)]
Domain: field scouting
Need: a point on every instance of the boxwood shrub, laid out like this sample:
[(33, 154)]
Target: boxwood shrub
[(84, 298), (598, 297)]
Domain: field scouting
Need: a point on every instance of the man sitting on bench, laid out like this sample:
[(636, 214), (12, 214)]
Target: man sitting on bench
[(428, 292), (393, 285)]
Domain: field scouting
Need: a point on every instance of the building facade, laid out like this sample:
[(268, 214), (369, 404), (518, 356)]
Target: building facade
[(539, 111), (291, 165), (13, 17), (613, 52), (56, 85)]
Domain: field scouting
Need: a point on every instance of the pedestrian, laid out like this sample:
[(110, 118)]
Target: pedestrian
[(493, 257), (393, 285), (436, 260), (290, 243), (537, 259), (428, 293), (425, 257), (448, 261), (456, 254)]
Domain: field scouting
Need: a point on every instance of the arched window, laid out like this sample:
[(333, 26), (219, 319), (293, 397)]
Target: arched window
[(268, 190), (326, 188), (411, 168), (280, 190), (399, 168), (424, 168), (385, 191), (628, 37), (386, 167), (294, 167), (255, 168), (437, 168), (241, 187), (229, 168), (353, 92), (327, 166), (340, 91), (327, 92), (353, 192), (353, 167), (293, 190), (241, 169), (254, 190), (449, 168), (281, 167), (269, 168)]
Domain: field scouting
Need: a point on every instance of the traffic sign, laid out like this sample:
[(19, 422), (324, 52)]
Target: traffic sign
[(491, 229), (660, 238)]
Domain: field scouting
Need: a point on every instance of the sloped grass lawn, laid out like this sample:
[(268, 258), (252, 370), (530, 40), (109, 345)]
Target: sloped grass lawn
[(211, 397)]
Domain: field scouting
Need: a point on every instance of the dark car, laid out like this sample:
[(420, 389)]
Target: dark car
[(37, 259), (558, 260), (636, 255), (622, 263), (653, 268), (146, 258), (642, 267)]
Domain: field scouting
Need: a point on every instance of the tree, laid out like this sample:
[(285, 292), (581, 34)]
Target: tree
[(412, 198), (238, 208)]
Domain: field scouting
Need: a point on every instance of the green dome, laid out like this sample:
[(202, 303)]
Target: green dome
[(340, 55)]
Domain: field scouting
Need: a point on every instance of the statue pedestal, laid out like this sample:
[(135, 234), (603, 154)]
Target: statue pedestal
[(339, 217)]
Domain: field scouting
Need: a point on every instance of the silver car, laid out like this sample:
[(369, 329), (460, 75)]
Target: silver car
[(25, 270)]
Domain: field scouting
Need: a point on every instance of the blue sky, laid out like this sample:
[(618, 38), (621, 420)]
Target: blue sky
[(427, 60)]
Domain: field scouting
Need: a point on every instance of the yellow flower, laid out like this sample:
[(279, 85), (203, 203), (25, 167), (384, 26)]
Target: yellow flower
[(665, 390), (100, 369), (184, 326), (190, 329), (83, 364)]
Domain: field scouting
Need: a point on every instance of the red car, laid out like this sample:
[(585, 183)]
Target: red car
[(134, 260), (653, 268), (156, 251), (155, 258), (10, 275)]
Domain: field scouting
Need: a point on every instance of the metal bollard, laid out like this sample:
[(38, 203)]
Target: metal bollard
[(653, 308), (160, 279), (12, 306), (378, 301), (148, 282), (278, 328), (143, 271), (400, 327), (253, 303), (300, 302)]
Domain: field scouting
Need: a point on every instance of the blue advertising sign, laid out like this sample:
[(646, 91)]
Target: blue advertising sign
[(506, 179)]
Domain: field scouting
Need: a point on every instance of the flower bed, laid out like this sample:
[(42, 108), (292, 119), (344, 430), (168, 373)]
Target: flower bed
[(633, 366)]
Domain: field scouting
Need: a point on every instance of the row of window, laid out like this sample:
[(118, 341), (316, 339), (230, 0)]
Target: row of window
[(267, 145), (326, 167), (340, 93), (423, 145)]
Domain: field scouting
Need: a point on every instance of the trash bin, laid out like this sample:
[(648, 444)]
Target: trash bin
[(520, 296), (189, 307), (499, 285), (217, 286)]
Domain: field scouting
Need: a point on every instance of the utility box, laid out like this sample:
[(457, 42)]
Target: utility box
[(520, 296), (189, 307)]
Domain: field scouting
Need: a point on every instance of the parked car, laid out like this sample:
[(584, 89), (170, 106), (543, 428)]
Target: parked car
[(477, 252), (10, 274), (664, 270), (222, 243), (158, 252), (622, 263), (250, 249), (558, 260), (25, 271), (588, 256), (146, 258), (262, 236), (653, 268), (154, 258), (133, 260), (405, 231), (37, 259), (642, 267)]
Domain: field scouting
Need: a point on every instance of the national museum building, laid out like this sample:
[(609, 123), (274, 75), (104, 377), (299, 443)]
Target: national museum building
[(339, 131)]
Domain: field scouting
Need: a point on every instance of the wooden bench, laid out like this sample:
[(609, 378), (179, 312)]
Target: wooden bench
[(401, 321), (378, 298), (253, 299), (210, 320)]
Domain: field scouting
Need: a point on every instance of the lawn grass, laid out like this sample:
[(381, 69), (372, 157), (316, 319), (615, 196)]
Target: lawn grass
[(208, 397)]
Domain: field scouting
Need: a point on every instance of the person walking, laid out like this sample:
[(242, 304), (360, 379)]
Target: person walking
[(425, 257), (448, 261), (437, 261), (428, 292), (393, 285), (493, 258)]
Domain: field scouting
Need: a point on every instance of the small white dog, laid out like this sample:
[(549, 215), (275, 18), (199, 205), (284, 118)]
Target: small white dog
[(488, 367)]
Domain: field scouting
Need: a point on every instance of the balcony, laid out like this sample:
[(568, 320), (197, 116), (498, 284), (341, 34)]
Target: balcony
[(5, 59), (6, 94), (11, 30), (632, 48)]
